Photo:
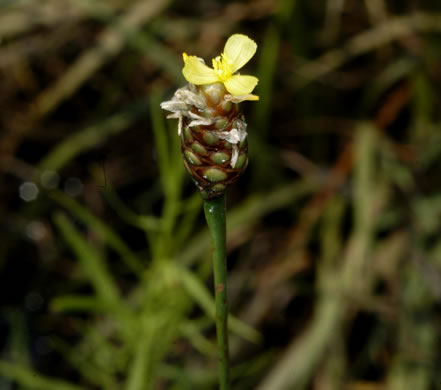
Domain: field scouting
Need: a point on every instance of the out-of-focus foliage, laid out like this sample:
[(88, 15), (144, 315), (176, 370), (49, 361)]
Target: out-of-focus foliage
[(333, 232)]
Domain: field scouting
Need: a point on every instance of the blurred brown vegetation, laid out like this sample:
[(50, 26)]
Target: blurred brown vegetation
[(334, 250)]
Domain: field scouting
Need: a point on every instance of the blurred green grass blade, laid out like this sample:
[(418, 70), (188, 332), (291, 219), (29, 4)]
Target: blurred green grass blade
[(19, 337), (160, 54), (147, 223), (330, 233), (427, 213), (251, 210), (157, 332), (416, 329), (188, 377), (132, 261), (177, 166), (92, 264), (191, 208), (268, 59), (83, 363), (261, 126), (390, 75), (137, 379), (252, 367), (365, 143), (430, 148), (90, 137), (161, 142), (108, 44), (192, 332), (267, 69), (202, 296), (167, 146), (164, 306), (423, 106), (30, 379), (366, 191), (171, 176), (379, 36), (244, 330), (258, 205), (294, 369), (302, 357), (77, 303), (138, 40), (398, 173)]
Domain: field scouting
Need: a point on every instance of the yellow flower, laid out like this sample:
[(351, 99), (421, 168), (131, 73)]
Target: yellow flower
[(238, 50)]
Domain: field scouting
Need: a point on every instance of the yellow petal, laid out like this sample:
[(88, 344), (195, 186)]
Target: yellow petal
[(196, 72), (252, 97), (239, 49), (240, 98), (240, 85)]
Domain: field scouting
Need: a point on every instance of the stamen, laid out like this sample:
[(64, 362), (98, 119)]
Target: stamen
[(222, 67)]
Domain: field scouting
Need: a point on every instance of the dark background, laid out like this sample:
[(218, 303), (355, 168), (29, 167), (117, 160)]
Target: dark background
[(333, 231)]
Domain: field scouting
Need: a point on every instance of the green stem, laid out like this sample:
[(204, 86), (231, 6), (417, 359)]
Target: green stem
[(215, 215)]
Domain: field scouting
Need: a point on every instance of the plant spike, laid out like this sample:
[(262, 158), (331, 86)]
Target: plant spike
[(214, 148)]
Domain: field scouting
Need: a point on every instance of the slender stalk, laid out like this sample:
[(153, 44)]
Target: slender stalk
[(215, 215)]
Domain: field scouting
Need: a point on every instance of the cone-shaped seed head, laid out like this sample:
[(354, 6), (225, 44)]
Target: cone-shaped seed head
[(215, 152), (212, 129)]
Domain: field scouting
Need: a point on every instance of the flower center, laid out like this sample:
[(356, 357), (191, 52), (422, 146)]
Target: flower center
[(222, 67)]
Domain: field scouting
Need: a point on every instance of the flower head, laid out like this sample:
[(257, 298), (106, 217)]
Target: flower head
[(238, 50)]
